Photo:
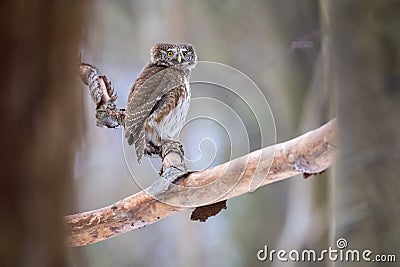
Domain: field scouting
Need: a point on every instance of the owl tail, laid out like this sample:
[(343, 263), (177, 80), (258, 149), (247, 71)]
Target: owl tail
[(129, 136), (139, 146)]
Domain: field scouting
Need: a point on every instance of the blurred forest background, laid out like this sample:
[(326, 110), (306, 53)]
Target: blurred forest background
[(311, 60)]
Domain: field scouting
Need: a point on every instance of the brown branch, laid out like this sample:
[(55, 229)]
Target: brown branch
[(309, 153), (102, 93)]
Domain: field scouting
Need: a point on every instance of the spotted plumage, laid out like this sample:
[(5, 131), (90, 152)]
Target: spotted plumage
[(159, 98)]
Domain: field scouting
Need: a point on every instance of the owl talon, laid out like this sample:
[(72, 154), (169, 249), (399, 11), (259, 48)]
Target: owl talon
[(151, 149)]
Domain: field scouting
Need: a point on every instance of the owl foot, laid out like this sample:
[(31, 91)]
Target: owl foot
[(151, 149)]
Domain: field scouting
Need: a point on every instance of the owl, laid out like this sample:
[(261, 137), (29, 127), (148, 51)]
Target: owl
[(159, 99)]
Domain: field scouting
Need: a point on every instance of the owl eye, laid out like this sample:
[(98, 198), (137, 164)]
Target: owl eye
[(170, 53), (184, 53)]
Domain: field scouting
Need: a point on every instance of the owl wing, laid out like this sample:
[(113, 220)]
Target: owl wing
[(147, 90)]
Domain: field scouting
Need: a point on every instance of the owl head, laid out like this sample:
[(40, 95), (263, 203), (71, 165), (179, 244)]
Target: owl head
[(166, 54)]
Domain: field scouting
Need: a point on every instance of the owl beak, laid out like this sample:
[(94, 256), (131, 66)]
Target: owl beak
[(179, 58)]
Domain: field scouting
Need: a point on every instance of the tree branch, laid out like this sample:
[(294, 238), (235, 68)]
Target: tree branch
[(102, 93), (310, 153)]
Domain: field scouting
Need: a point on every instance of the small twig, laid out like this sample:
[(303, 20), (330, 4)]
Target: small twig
[(312, 151)]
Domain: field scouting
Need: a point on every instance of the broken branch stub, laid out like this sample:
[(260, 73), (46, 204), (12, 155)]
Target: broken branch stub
[(102, 93)]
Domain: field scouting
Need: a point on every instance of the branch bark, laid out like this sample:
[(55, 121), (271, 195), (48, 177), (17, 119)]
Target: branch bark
[(102, 93), (310, 153)]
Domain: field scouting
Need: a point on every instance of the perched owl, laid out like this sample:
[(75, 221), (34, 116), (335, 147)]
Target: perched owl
[(159, 99)]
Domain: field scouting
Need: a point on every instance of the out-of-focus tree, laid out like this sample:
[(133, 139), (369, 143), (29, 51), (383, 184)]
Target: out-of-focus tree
[(366, 56), (41, 111)]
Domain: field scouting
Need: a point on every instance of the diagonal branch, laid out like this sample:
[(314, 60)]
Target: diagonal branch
[(310, 153)]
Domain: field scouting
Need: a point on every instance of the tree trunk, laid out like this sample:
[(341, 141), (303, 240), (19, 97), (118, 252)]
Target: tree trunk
[(366, 57), (41, 111)]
